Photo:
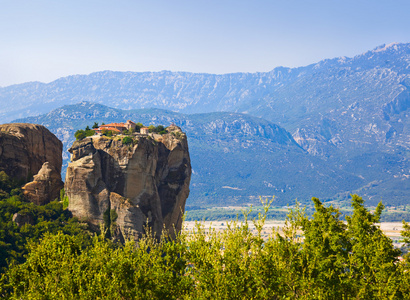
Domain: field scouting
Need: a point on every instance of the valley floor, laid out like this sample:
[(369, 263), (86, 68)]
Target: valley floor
[(391, 229)]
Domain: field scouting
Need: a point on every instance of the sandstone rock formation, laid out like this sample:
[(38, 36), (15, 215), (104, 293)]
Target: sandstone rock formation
[(28, 149), (45, 187), (24, 148), (128, 186)]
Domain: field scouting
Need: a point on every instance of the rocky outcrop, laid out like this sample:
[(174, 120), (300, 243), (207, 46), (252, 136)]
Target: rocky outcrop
[(22, 219), (126, 186), (45, 186), (27, 150)]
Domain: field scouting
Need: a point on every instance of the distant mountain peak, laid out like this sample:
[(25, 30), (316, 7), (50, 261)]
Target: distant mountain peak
[(385, 47)]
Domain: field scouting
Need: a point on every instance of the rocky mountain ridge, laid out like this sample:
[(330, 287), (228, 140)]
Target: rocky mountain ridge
[(261, 94), (330, 107), (235, 157), (349, 113)]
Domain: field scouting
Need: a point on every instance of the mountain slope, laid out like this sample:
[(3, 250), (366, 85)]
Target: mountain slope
[(330, 107), (235, 157), (264, 94), (351, 114)]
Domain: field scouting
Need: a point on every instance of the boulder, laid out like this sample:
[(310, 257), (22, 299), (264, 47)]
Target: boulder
[(22, 219)]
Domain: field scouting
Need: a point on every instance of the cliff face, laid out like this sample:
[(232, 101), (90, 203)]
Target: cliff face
[(129, 186), (27, 150), (24, 148)]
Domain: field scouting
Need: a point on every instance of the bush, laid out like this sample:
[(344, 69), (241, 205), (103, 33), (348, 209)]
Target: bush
[(14, 240), (108, 133), (127, 140), (64, 199), (152, 128), (318, 257), (157, 129), (160, 128), (138, 126), (81, 134)]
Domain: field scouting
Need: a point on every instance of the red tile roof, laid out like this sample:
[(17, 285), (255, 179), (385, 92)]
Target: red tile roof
[(114, 125)]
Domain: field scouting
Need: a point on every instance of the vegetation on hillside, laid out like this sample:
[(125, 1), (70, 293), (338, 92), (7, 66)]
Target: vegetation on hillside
[(81, 134), (317, 257), (51, 218)]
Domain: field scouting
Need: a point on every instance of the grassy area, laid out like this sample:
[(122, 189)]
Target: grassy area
[(390, 214), (233, 213)]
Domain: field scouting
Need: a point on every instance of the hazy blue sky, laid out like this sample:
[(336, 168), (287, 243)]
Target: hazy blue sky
[(45, 40)]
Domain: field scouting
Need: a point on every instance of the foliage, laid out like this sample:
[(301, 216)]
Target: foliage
[(108, 133), (160, 129), (177, 134), (317, 257), (152, 128), (81, 134), (8, 186), (64, 199), (49, 218), (138, 126), (127, 140), (59, 267), (110, 217)]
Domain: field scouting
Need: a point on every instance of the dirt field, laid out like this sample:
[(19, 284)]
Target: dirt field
[(391, 229)]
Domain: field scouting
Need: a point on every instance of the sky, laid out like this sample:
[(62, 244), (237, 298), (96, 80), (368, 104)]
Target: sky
[(45, 40)]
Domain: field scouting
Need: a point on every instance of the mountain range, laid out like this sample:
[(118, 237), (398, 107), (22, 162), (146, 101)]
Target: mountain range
[(346, 117), (235, 157)]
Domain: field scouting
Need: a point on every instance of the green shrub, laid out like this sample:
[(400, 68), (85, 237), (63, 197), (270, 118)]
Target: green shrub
[(318, 257), (127, 140), (138, 127), (159, 128), (108, 133), (81, 134), (64, 199), (152, 128)]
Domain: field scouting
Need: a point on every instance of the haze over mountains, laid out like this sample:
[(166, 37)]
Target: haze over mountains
[(235, 157), (349, 117)]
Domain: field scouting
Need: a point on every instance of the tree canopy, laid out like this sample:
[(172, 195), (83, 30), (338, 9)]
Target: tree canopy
[(318, 257)]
